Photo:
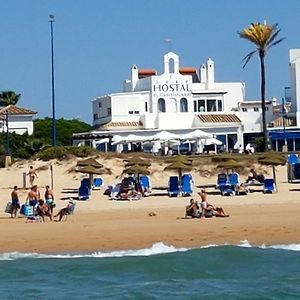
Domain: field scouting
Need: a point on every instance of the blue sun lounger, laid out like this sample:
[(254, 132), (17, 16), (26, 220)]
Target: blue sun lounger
[(269, 186), (98, 183), (173, 186), (187, 185)]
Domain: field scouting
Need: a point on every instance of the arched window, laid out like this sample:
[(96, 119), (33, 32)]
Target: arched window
[(171, 65), (161, 105), (183, 105)]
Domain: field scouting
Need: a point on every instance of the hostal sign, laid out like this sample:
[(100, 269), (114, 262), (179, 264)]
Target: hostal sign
[(171, 90)]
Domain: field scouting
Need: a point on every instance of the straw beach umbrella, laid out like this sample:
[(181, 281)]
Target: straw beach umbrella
[(137, 170), (136, 161), (89, 162), (180, 159), (229, 164), (180, 167), (273, 159)]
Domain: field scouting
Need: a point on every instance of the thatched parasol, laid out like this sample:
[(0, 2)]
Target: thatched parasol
[(137, 170), (136, 161), (273, 159), (229, 164), (180, 159), (91, 170), (89, 162), (180, 167)]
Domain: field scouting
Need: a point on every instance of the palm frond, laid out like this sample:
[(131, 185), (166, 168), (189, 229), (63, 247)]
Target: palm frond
[(247, 58), (276, 42)]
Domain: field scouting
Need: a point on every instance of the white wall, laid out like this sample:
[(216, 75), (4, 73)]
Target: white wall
[(295, 80)]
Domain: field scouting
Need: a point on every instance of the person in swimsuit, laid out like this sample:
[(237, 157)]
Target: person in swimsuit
[(33, 197), (49, 198), (43, 210), (32, 175), (209, 210), (15, 202)]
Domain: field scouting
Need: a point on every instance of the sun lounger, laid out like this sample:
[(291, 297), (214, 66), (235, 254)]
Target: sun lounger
[(187, 185), (145, 183), (234, 180), (173, 186), (269, 186), (98, 183), (222, 180), (83, 193)]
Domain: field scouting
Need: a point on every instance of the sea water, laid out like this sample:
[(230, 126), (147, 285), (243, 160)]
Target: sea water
[(160, 272)]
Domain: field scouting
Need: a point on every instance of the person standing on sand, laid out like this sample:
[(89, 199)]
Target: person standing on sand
[(49, 198), (15, 202), (209, 210), (33, 197), (32, 175)]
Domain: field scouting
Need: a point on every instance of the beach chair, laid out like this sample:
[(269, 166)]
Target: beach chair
[(70, 211), (222, 184), (173, 186), (145, 183), (293, 159), (85, 182), (83, 193), (98, 183), (222, 180), (269, 186), (234, 180), (187, 185)]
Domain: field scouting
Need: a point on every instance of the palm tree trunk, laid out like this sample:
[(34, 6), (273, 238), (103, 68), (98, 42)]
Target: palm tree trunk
[(263, 98)]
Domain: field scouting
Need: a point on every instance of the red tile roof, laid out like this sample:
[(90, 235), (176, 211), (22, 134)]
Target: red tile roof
[(219, 118), (113, 125), (14, 110)]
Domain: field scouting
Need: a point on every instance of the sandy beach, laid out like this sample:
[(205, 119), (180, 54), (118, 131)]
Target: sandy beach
[(101, 224)]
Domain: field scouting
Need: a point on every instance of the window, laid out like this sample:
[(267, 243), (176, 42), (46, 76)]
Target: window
[(183, 105), (146, 106), (244, 109), (95, 116), (136, 112), (201, 105), (171, 65), (220, 105), (161, 105), (131, 112), (100, 104), (255, 108), (109, 111), (211, 105), (195, 106)]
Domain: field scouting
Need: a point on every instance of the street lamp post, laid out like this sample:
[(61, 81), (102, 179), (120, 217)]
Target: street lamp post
[(283, 125), (51, 20)]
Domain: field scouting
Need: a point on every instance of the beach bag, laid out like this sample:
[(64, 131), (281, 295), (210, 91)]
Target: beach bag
[(26, 210), (8, 208)]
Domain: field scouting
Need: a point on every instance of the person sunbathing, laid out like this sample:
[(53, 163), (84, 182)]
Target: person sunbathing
[(254, 176), (208, 209), (192, 210), (65, 211)]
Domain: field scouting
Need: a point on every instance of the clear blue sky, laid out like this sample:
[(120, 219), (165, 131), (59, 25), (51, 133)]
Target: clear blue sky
[(97, 42)]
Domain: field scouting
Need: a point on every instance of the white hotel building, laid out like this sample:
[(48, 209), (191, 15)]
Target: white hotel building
[(179, 100)]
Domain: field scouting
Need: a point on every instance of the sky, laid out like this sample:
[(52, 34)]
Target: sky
[(96, 42)]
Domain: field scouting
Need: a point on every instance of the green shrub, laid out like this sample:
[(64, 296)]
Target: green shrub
[(65, 152)]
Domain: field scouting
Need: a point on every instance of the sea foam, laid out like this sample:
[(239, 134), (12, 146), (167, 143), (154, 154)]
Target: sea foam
[(157, 248)]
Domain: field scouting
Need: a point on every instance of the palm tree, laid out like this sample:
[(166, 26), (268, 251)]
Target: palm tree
[(263, 36), (9, 98)]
